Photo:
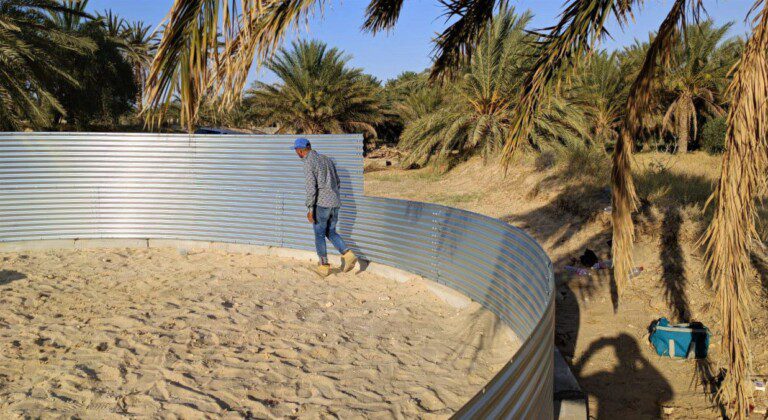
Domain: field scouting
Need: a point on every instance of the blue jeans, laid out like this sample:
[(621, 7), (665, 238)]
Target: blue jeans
[(325, 227)]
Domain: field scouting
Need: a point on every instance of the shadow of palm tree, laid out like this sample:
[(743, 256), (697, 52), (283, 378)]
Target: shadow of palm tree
[(760, 263), (559, 224), (673, 265), (8, 276), (556, 224), (665, 187)]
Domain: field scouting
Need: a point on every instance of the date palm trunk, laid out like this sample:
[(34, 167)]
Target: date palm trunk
[(682, 141)]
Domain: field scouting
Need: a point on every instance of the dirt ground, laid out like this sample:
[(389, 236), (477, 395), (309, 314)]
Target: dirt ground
[(162, 333), (603, 337)]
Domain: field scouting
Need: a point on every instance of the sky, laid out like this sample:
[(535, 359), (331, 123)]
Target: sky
[(408, 46)]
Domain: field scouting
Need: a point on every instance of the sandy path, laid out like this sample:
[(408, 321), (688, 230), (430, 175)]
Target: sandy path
[(163, 333)]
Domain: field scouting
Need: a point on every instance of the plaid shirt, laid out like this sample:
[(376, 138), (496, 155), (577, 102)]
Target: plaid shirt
[(321, 180)]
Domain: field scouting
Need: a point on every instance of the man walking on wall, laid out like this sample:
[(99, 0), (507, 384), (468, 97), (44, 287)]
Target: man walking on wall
[(323, 202)]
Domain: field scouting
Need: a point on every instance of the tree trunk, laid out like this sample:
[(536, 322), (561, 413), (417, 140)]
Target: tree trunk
[(682, 142)]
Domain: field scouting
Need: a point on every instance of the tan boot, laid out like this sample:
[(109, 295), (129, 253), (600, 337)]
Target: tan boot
[(324, 270), (348, 261)]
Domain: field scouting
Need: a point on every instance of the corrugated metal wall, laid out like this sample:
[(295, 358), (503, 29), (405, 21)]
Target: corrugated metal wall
[(249, 189)]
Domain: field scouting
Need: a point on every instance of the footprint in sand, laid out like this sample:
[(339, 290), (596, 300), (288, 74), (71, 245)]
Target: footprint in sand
[(265, 340)]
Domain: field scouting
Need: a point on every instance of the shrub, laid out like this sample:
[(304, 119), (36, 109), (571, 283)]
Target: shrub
[(545, 159), (712, 135), (583, 161)]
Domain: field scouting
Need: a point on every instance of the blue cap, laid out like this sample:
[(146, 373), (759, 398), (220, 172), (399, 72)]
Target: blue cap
[(300, 143)]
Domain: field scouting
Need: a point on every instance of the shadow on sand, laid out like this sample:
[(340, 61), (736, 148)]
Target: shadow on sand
[(560, 224), (556, 224), (9, 276), (673, 275), (630, 370), (760, 263)]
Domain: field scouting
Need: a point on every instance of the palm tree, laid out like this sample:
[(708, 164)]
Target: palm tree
[(108, 89), (317, 93), (32, 54), (745, 162), (70, 17), (190, 61), (601, 84), (136, 41), (693, 80), (112, 23), (140, 47), (478, 115)]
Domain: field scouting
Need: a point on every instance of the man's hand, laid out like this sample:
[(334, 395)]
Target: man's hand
[(311, 217)]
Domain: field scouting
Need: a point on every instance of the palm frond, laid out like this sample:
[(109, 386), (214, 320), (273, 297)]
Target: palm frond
[(382, 14), (455, 44), (28, 64), (730, 236), (624, 197), (209, 46), (580, 27)]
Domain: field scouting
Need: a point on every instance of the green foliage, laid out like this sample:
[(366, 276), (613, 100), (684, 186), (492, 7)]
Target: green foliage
[(107, 89), (33, 54), (406, 98), (317, 93), (694, 83), (58, 63), (602, 89), (475, 114), (712, 137), (580, 160), (689, 90)]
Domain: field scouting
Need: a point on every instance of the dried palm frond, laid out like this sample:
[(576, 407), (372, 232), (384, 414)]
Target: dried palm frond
[(264, 25), (182, 58), (624, 198), (580, 27), (210, 45), (729, 237)]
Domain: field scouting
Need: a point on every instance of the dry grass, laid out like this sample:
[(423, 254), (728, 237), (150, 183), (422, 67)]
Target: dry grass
[(561, 205), (577, 177), (585, 163), (680, 181)]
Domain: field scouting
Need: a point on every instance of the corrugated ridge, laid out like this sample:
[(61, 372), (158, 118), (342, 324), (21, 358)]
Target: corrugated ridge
[(249, 189)]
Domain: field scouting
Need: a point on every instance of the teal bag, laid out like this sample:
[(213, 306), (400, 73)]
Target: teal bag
[(680, 340)]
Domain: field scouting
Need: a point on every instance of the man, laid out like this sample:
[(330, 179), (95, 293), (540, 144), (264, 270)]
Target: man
[(323, 202)]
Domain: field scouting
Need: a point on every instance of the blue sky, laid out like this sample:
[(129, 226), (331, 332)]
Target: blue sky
[(408, 46)]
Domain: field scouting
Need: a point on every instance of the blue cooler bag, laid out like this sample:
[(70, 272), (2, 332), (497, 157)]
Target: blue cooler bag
[(680, 340)]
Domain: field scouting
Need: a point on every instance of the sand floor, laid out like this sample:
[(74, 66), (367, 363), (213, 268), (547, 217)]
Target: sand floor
[(177, 334)]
